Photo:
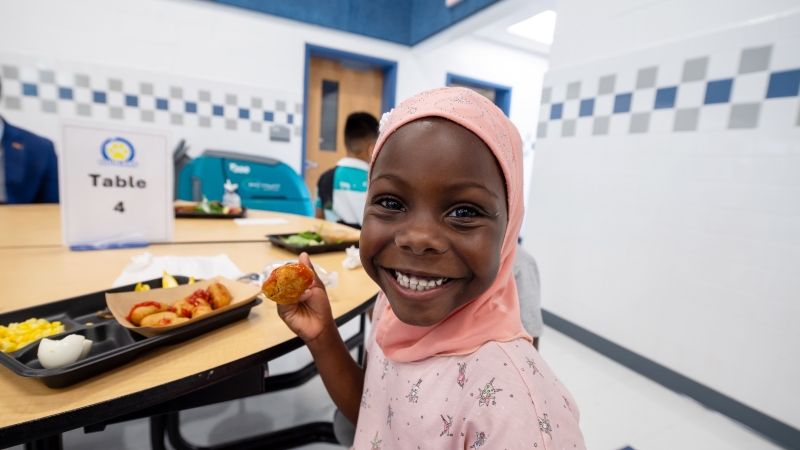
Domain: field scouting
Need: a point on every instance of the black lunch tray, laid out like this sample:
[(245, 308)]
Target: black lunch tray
[(113, 345), (310, 249), (197, 215)]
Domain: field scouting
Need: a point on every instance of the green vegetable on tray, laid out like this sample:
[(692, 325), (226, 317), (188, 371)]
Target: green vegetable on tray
[(306, 238), (213, 207)]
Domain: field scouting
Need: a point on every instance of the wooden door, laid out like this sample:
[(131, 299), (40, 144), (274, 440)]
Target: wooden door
[(358, 91)]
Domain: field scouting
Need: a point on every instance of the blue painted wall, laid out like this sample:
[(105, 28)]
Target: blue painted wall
[(402, 21)]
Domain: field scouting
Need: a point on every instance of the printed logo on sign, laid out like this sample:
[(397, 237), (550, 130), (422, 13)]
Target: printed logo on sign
[(236, 168), (117, 151), (269, 187)]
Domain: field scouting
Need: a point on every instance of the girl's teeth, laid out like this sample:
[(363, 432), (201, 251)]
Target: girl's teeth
[(417, 284)]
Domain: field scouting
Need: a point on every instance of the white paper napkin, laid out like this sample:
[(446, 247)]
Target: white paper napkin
[(146, 267)]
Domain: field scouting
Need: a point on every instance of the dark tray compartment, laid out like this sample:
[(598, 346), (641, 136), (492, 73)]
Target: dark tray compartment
[(310, 249), (113, 345), (183, 215)]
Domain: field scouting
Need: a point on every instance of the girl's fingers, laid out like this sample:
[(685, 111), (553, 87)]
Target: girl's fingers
[(307, 262)]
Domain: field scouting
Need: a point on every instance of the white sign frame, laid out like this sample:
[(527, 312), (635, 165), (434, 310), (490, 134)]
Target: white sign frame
[(116, 185)]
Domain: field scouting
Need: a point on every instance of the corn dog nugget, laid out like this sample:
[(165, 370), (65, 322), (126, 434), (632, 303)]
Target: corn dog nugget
[(220, 296), (287, 283)]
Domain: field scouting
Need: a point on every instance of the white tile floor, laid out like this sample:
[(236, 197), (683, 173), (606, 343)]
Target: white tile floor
[(619, 408)]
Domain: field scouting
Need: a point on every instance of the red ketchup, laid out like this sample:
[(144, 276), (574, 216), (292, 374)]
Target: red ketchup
[(139, 305)]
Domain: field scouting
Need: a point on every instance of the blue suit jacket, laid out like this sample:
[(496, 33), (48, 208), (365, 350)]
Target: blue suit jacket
[(31, 167)]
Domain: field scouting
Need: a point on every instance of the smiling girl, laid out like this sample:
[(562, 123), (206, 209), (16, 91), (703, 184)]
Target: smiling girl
[(449, 364)]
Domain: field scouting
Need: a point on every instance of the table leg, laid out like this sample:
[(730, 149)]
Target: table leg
[(158, 425), (48, 443), (361, 329)]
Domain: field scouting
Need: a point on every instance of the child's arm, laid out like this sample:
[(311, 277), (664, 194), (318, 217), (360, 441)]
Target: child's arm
[(311, 319)]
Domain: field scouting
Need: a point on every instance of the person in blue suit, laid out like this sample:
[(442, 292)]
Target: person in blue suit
[(28, 166)]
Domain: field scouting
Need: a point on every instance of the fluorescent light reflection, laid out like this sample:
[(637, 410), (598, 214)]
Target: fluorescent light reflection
[(540, 27)]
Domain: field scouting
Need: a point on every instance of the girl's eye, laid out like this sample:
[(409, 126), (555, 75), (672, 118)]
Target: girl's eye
[(463, 211), (390, 203)]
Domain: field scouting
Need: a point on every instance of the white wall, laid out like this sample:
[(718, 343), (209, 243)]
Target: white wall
[(204, 46), (683, 246)]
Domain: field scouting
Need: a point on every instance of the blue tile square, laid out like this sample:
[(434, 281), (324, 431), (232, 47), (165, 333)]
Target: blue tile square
[(556, 110), (289, 118), (622, 103), (244, 113), (162, 103), (190, 107), (269, 116), (587, 107), (217, 110), (65, 93), (30, 90), (665, 97), (784, 84), (718, 91), (99, 97), (132, 101)]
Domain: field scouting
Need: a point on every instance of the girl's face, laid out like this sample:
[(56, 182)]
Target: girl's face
[(434, 221)]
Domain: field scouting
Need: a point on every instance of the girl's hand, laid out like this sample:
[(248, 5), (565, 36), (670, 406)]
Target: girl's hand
[(312, 315)]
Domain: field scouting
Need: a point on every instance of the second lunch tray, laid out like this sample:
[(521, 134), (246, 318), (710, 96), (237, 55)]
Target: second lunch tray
[(113, 345), (310, 249)]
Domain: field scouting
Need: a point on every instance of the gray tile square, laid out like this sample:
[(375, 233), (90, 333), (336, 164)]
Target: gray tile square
[(568, 128), (255, 127), (115, 85), (10, 73), (573, 90), (686, 119), (82, 80), (176, 119), (744, 115), (204, 121), (640, 122), (298, 108), (230, 124), (176, 92), (230, 99), (256, 102), (546, 94), (47, 76), (541, 130), (83, 109), (116, 112), (279, 133), (280, 105), (798, 118), (146, 89), (606, 85), (204, 96), (755, 59), (148, 116), (601, 125), (13, 102), (298, 130), (646, 78), (49, 106), (694, 69)]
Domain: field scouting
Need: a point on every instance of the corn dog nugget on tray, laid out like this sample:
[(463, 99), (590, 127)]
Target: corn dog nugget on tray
[(287, 283)]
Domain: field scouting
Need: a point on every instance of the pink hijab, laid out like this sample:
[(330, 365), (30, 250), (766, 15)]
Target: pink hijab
[(494, 316)]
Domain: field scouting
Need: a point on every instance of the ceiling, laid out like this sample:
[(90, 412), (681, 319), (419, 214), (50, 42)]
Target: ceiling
[(406, 22)]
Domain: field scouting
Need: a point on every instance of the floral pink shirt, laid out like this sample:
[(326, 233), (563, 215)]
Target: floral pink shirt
[(502, 396)]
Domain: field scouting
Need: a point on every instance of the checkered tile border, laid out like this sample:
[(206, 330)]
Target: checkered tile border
[(129, 102), (647, 98)]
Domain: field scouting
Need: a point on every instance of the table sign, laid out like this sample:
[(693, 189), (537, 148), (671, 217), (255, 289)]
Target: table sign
[(116, 186)]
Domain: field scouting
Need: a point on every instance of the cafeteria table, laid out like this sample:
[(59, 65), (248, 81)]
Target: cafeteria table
[(220, 365), (40, 226)]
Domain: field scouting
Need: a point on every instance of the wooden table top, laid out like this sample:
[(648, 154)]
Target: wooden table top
[(40, 226), (32, 276)]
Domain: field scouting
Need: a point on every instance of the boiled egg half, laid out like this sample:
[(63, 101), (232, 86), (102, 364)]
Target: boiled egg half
[(54, 354)]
